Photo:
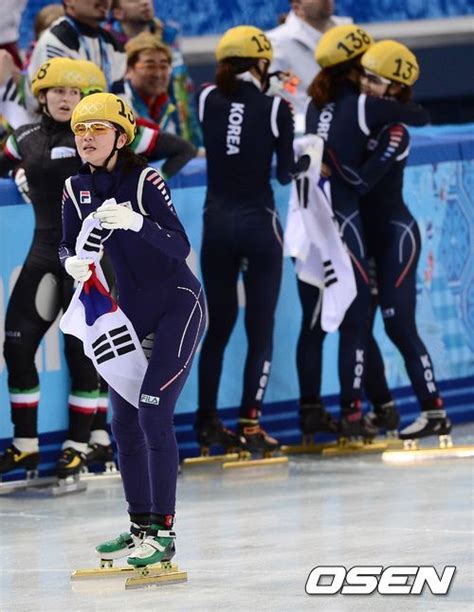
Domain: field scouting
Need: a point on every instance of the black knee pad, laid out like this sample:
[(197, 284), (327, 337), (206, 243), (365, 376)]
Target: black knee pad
[(21, 367)]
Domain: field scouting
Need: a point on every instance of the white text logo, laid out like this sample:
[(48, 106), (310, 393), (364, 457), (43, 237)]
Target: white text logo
[(366, 579)]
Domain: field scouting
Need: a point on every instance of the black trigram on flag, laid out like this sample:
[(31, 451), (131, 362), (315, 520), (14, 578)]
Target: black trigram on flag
[(329, 273), (93, 241), (113, 343), (302, 189)]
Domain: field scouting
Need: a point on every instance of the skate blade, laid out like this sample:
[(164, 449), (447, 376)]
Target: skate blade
[(309, 448), (249, 463), (108, 474), (153, 575), (12, 486), (354, 448), (66, 486), (210, 459), (428, 453), (392, 443), (107, 572)]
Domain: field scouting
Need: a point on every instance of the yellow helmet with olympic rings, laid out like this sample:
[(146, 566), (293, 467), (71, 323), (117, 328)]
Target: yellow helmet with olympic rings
[(59, 72), (96, 82), (106, 107)]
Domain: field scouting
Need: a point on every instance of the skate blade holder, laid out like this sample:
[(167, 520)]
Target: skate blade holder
[(161, 573), (412, 453), (32, 480), (352, 447), (206, 459), (70, 484), (107, 569), (307, 446), (111, 472), (248, 462)]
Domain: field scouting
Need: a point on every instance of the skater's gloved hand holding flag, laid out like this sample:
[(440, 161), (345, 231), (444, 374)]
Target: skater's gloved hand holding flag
[(95, 318), (312, 237)]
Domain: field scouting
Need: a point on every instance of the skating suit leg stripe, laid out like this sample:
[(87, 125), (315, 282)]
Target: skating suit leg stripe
[(407, 233), (198, 305), (189, 318), (347, 221), (317, 310), (275, 226)]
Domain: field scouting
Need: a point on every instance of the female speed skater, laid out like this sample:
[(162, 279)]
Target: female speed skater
[(163, 300)]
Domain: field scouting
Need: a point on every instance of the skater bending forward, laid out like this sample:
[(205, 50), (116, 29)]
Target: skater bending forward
[(163, 300)]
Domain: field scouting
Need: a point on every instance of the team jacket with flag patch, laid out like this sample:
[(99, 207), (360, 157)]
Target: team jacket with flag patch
[(141, 260)]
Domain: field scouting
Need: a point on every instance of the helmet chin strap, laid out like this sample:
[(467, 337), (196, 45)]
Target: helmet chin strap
[(111, 154)]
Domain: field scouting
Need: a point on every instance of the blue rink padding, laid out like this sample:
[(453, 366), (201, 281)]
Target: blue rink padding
[(439, 188)]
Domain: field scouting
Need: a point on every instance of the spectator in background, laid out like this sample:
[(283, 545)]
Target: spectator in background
[(78, 35), (12, 11), (146, 87), (296, 39), (132, 17), (147, 81), (12, 112), (43, 20)]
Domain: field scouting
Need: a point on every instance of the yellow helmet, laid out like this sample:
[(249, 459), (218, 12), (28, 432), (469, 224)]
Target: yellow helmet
[(244, 41), (58, 72), (342, 43), (392, 60), (96, 82), (106, 107)]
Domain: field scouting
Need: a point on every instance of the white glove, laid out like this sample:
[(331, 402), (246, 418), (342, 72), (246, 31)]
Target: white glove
[(114, 216), (22, 185), (78, 268)]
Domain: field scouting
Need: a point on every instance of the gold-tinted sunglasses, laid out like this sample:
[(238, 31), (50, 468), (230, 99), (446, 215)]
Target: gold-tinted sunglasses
[(96, 128), (375, 78)]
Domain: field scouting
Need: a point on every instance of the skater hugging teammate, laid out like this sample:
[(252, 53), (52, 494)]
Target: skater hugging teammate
[(163, 300), (393, 240), (366, 178)]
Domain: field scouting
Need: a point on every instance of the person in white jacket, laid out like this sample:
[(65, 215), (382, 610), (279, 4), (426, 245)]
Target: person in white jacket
[(294, 43)]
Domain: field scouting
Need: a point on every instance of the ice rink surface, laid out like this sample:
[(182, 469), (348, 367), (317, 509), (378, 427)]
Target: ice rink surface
[(249, 538)]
